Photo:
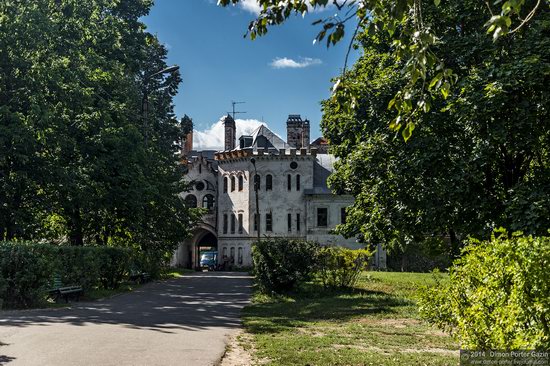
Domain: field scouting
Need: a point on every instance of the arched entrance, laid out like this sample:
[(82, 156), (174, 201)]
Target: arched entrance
[(188, 254), (207, 242)]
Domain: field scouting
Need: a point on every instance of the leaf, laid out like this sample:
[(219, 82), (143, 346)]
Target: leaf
[(407, 131)]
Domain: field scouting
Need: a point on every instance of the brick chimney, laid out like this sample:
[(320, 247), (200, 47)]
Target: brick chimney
[(230, 128), (297, 131)]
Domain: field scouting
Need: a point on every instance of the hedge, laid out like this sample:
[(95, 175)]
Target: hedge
[(27, 270)]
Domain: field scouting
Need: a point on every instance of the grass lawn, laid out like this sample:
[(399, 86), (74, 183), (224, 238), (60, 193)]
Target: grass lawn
[(376, 324)]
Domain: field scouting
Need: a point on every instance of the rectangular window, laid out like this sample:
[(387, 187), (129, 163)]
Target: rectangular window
[(289, 182), (241, 223), (269, 222), (269, 182), (343, 215), (297, 222), (240, 255), (225, 223), (232, 224), (289, 222), (322, 217), (298, 182), (256, 222)]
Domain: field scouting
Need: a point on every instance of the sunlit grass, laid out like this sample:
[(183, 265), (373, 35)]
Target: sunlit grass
[(374, 324)]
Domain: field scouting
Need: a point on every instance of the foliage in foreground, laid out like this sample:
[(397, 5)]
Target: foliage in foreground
[(413, 36), (281, 264), (480, 158), (498, 296), (27, 270)]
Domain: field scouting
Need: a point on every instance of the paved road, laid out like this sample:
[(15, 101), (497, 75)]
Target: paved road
[(183, 321)]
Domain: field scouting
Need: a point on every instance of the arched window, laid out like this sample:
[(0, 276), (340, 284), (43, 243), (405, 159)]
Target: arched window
[(191, 201), (241, 182), (208, 202), (257, 182), (298, 182), (224, 184), (232, 184), (269, 182)]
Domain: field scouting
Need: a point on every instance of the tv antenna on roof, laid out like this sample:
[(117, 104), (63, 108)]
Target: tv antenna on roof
[(235, 112)]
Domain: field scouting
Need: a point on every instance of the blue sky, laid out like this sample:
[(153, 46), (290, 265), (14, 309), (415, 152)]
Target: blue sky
[(218, 65)]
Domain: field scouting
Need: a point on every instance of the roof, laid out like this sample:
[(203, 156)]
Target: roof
[(322, 168), (320, 141), (263, 137)]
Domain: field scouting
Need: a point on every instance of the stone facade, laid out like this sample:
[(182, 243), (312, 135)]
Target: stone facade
[(293, 198)]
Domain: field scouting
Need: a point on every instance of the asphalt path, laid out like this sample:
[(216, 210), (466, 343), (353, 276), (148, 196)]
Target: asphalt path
[(182, 321)]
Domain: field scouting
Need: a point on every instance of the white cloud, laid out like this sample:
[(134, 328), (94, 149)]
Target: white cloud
[(284, 62), (213, 137), (251, 6), (254, 7)]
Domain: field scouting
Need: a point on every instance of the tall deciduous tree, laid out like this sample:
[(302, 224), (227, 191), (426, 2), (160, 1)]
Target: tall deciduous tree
[(481, 158), (78, 158)]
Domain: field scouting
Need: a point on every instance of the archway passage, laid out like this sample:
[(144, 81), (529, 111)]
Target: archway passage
[(205, 243)]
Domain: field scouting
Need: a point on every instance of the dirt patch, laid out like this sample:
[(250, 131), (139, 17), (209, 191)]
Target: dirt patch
[(429, 350), (235, 353), (393, 350), (396, 323)]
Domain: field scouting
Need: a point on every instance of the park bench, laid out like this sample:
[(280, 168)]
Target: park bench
[(138, 276), (59, 291)]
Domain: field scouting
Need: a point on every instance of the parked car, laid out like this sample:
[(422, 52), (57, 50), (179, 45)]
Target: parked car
[(209, 260)]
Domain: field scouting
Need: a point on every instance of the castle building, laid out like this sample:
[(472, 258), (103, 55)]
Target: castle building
[(293, 199)]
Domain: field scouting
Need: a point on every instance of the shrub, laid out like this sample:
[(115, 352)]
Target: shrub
[(27, 270), (25, 273), (498, 296), (340, 267), (280, 264)]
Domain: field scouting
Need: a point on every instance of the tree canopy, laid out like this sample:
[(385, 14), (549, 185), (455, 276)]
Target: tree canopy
[(480, 160), (83, 155)]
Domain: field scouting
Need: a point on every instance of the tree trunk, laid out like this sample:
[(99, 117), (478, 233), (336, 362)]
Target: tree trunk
[(76, 235)]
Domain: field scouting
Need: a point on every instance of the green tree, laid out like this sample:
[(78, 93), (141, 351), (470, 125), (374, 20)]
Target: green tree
[(79, 159), (479, 161)]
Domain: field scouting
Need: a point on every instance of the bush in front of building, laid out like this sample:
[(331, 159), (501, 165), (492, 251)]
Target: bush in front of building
[(498, 295), (27, 270), (340, 267), (281, 264)]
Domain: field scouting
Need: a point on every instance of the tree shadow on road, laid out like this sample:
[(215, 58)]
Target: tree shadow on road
[(192, 302), (5, 359)]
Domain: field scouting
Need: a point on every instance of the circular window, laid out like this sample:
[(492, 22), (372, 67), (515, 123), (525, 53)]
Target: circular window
[(293, 165), (199, 186)]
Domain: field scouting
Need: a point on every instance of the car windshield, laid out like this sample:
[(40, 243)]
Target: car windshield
[(207, 256)]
